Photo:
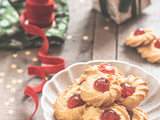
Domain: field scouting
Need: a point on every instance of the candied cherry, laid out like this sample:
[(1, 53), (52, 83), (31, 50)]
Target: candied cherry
[(110, 115), (81, 82), (75, 101), (139, 31), (157, 43), (105, 68), (101, 85), (130, 114), (127, 90)]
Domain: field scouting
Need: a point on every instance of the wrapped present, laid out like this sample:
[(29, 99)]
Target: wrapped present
[(120, 10)]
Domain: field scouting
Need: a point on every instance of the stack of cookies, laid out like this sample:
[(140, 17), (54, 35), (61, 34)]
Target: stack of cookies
[(102, 93), (146, 43)]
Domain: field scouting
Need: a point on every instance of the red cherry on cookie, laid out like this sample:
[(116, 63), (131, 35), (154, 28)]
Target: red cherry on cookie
[(139, 31), (127, 90), (110, 115), (75, 101), (157, 43), (105, 68), (101, 85)]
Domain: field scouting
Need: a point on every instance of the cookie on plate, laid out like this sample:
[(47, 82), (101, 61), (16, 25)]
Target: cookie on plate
[(103, 69), (137, 114), (114, 112), (80, 80), (140, 37), (134, 91), (69, 105), (100, 90), (151, 52)]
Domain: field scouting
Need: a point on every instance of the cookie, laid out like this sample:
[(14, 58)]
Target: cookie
[(103, 69), (151, 52), (80, 80), (137, 114), (134, 91), (100, 90), (140, 37), (69, 105), (114, 112)]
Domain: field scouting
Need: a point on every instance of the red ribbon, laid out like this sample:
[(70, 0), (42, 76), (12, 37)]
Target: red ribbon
[(53, 64)]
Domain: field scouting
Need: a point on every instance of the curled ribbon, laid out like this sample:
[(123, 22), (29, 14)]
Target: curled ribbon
[(40, 18)]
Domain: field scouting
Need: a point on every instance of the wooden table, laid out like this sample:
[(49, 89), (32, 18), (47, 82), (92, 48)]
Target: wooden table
[(100, 45)]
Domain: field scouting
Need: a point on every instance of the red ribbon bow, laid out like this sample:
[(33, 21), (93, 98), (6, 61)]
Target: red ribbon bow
[(39, 13)]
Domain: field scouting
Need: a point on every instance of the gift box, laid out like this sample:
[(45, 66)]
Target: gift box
[(120, 10)]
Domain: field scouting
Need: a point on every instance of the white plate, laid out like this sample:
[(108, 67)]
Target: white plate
[(66, 77)]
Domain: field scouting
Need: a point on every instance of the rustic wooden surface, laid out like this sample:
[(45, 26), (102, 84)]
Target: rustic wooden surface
[(101, 44)]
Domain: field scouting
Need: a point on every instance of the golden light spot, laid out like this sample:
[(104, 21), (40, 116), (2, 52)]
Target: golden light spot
[(106, 28), (1, 80), (13, 90), (11, 100), (10, 112), (85, 37), (19, 70), (14, 81), (6, 103), (2, 74), (69, 37), (13, 66), (35, 59), (27, 53), (19, 81), (82, 1), (8, 86), (15, 55)]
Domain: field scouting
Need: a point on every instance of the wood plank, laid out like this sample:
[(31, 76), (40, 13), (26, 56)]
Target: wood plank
[(104, 40), (149, 19), (81, 24)]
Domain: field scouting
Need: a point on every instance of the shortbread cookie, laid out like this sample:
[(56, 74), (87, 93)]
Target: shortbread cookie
[(140, 37), (137, 114), (151, 52), (134, 91), (114, 112), (69, 105), (100, 90), (80, 80), (103, 69)]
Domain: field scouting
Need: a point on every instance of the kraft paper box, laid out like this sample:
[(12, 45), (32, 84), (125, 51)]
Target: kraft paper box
[(120, 10)]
